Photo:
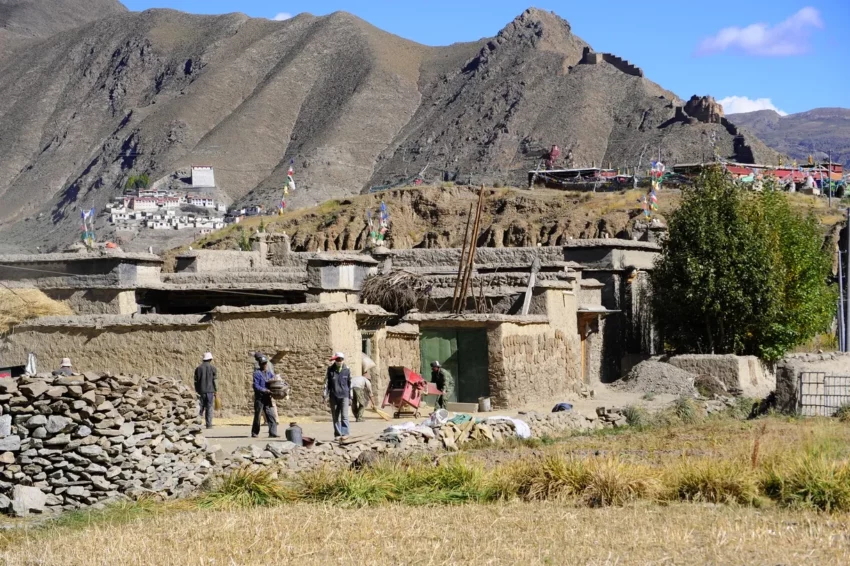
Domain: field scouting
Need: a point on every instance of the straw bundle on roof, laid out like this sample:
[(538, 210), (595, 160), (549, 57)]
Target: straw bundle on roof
[(19, 305), (397, 292)]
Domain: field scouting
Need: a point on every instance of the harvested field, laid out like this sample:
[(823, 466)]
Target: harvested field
[(718, 513), (515, 533)]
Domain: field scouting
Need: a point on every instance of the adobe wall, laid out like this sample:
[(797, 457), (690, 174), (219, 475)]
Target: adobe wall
[(199, 261), (299, 344), (745, 373), (788, 372), (96, 301), (79, 271), (393, 348), (531, 365)]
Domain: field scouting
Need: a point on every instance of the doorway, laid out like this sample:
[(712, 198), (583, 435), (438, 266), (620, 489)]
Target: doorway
[(463, 353)]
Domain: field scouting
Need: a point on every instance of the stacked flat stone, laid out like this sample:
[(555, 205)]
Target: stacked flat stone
[(290, 459), (612, 417), (73, 441)]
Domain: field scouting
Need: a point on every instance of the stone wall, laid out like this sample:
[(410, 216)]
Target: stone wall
[(299, 340), (744, 374), (531, 364), (592, 58), (96, 301), (69, 442)]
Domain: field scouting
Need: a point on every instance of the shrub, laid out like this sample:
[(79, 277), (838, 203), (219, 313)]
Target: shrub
[(713, 481), (247, 487)]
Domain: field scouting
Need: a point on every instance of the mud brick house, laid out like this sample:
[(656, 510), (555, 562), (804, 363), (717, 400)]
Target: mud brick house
[(522, 339)]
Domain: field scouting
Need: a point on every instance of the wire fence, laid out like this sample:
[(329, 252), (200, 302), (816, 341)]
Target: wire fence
[(822, 395)]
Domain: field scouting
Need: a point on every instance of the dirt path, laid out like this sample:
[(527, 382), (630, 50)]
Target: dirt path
[(236, 432)]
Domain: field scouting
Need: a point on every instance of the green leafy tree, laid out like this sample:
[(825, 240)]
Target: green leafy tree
[(135, 182), (740, 272), (243, 241)]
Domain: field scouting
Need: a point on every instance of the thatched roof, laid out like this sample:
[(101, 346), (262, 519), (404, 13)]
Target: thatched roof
[(397, 291)]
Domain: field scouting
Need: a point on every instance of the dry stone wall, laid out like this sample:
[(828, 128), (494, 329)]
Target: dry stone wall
[(73, 441)]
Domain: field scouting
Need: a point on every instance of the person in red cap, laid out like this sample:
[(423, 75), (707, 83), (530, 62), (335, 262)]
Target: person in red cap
[(338, 393)]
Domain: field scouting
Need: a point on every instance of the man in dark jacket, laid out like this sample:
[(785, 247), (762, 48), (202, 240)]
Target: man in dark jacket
[(263, 400), (206, 387), (442, 381), (338, 392)]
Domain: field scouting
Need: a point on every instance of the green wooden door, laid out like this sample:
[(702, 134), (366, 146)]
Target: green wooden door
[(439, 345), (474, 379), (464, 354)]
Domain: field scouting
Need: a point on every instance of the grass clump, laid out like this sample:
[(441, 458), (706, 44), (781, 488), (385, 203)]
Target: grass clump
[(843, 413), (713, 481), (247, 487), (686, 410), (637, 417), (414, 482), (596, 482), (812, 481)]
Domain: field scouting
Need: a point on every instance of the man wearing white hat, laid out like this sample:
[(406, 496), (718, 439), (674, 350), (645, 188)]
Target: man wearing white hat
[(338, 392), (206, 387), (64, 368)]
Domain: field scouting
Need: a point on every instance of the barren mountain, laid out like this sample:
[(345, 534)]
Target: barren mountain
[(816, 132), (23, 20), (350, 105)]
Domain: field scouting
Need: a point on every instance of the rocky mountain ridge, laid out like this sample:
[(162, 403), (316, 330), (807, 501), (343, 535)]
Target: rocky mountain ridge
[(347, 105), (817, 132)]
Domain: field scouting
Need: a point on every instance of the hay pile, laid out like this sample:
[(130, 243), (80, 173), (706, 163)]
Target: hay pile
[(397, 292), (18, 305)]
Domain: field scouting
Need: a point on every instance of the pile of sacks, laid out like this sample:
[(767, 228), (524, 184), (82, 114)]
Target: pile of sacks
[(435, 434), (73, 441)]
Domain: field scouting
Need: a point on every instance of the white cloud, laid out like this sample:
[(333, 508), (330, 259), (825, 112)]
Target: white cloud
[(282, 16), (784, 39), (739, 104)]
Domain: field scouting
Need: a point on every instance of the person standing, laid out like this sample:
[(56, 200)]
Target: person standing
[(442, 380), (263, 399), (361, 393), (206, 387), (337, 392), (270, 368)]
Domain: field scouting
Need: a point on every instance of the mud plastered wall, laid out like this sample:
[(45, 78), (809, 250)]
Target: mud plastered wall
[(531, 364), (300, 344)]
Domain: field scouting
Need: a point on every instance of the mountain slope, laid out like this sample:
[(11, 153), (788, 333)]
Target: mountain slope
[(30, 19), (816, 132), (350, 105)]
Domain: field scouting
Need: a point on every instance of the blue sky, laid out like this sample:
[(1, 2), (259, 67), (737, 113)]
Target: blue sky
[(752, 54)]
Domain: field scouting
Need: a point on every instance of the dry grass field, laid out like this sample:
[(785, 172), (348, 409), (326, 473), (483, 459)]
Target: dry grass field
[(512, 533), (678, 491)]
